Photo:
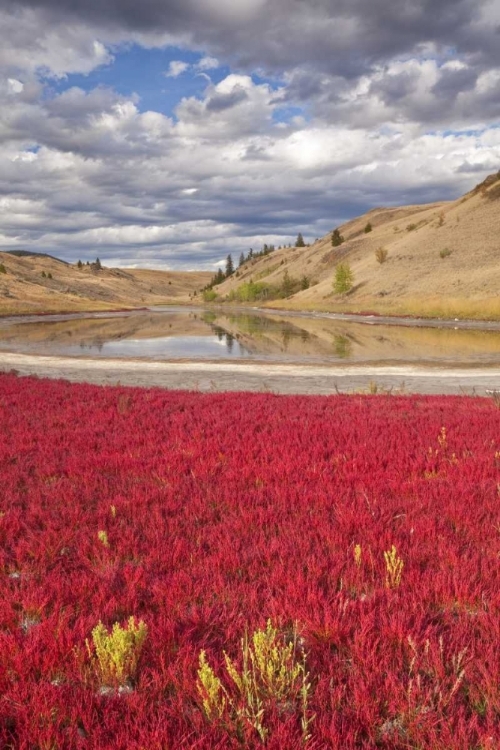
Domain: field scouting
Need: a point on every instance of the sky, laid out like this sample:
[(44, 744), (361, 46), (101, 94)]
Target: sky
[(170, 133)]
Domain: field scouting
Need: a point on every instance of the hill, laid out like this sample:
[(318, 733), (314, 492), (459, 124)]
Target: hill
[(35, 283), (442, 260)]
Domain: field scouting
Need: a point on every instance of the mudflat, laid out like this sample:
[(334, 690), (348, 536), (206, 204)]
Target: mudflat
[(245, 376)]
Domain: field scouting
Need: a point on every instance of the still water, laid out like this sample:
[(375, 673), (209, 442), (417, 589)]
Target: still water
[(223, 335)]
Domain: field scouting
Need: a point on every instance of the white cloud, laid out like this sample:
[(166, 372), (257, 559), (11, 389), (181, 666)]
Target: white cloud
[(176, 68), (360, 113), (30, 44), (207, 63), (14, 86)]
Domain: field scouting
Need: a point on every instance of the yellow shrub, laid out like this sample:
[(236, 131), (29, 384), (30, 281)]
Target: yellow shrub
[(116, 653)]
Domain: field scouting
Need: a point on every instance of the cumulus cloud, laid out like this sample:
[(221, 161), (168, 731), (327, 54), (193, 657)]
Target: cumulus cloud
[(331, 107)]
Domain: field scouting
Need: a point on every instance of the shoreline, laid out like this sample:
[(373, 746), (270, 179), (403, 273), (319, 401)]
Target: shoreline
[(368, 318), (275, 378)]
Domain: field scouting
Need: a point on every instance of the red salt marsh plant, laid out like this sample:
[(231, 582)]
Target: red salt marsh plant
[(369, 524)]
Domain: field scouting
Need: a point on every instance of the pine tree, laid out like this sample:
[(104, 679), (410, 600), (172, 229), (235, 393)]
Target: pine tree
[(242, 259), (337, 238), (79, 264), (229, 266), (300, 241)]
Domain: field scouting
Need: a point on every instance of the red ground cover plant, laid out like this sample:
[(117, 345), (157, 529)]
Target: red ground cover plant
[(223, 512)]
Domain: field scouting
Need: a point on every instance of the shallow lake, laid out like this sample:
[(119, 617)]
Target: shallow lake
[(228, 335)]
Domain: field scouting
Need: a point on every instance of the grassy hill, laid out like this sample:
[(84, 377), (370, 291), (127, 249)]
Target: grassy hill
[(33, 283), (442, 260)]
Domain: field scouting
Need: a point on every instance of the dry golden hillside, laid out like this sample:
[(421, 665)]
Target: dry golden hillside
[(37, 283), (443, 260)]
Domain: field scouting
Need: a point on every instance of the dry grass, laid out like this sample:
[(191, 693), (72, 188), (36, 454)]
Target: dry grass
[(38, 284), (415, 279)]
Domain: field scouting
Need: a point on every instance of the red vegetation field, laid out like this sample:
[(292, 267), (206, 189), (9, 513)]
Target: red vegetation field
[(205, 516)]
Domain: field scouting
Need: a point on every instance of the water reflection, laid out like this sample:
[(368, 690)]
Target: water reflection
[(182, 333)]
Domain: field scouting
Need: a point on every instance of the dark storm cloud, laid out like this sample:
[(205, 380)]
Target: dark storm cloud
[(392, 88), (220, 102), (342, 36), (452, 82)]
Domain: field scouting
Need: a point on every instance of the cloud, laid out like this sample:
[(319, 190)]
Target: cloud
[(344, 37), (176, 68), (110, 180), (207, 63), (329, 107)]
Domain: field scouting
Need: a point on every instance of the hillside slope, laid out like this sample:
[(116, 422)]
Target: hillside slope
[(37, 283), (443, 259)]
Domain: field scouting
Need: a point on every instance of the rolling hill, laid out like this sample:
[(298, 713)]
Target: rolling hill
[(442, 260), (36, 283)]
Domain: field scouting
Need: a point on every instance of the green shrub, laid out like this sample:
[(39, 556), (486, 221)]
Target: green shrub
[(250, 291), (411, 227), (445, 252), (209, 295), (368, 228), (2, 268), (344, 278)]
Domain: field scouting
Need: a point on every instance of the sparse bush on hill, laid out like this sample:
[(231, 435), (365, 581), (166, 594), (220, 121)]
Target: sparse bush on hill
[(445, 252), (2, 268), (344, 278), (337, 238), (381, 254), (368, 228), (250, 291), (209, 295), (411, 227), (256, 291)]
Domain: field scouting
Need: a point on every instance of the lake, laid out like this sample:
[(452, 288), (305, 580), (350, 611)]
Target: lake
[(356, 350)]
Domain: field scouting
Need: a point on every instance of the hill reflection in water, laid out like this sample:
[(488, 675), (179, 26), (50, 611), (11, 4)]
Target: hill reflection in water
[(217, 335)]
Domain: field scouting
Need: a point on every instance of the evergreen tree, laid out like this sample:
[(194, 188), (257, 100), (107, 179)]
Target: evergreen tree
[(300, 241), (229, 266), (79, 264), (337, 238), (242, 259), (97, 264)]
